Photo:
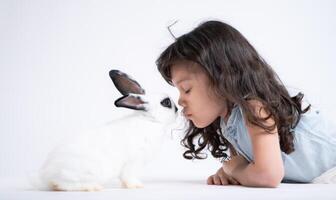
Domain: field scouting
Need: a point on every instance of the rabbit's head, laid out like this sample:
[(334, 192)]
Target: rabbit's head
[(158, 107)]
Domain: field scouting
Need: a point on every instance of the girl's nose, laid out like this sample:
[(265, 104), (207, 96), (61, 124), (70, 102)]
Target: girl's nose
[(181, 102)]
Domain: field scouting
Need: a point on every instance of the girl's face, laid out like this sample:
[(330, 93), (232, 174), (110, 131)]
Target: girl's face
[(199, 102)]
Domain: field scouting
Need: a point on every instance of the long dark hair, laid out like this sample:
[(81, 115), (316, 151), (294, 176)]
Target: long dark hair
[(238, 74)]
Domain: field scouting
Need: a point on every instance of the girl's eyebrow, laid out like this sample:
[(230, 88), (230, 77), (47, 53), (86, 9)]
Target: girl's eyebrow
[(182, 80)]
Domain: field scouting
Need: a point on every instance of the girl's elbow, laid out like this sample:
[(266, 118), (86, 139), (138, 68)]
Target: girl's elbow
[(272, 183), (271, 179)]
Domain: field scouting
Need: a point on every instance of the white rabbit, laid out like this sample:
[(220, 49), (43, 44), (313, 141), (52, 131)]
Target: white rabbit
[(117, 150)]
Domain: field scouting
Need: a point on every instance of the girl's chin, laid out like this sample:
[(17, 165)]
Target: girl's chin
[(199, 124)]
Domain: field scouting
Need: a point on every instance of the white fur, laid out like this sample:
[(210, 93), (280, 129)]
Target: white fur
[(117, 150)]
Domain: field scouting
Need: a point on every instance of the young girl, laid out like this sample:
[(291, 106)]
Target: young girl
[(234, 101)]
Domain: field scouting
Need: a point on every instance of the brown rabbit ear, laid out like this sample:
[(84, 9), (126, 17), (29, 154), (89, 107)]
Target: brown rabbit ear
[(125, 84), (131, 101)]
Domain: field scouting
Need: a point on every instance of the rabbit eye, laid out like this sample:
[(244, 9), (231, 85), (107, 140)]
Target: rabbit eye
[(166, 103)]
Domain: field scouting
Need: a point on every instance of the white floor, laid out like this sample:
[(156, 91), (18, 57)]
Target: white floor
[(172, 188)]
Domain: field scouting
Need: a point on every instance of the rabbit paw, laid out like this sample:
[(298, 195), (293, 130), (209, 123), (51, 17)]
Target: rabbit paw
[(93, 188), (76, 187), (131, 184)]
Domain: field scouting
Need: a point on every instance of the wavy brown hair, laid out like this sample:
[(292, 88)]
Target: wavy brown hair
[(237, 73)]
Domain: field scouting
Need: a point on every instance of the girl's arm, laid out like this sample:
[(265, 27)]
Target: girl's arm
[(267, 169)]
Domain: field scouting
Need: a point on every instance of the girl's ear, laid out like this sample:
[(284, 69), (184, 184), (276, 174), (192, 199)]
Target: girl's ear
[(125, 84), (131, 101)]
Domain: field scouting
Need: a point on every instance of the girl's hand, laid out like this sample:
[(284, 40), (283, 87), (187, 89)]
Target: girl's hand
[(221, 178)]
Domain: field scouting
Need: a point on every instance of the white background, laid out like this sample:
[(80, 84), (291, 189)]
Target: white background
[(55, 57)]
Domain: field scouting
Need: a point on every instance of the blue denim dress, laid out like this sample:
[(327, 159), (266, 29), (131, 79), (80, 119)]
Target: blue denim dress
[(314, 143)]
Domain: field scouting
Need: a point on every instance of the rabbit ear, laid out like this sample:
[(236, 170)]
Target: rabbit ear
[(131, 101), (125, 84)]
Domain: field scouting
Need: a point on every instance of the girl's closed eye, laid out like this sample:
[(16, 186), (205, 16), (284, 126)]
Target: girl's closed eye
[(187, 91)]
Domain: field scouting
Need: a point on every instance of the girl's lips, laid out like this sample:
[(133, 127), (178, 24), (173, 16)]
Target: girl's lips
[(186, 114)]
